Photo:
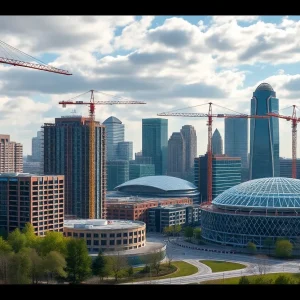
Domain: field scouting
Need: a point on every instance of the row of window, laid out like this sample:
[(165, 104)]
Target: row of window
[(105, 235)]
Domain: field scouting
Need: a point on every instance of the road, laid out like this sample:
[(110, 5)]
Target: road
[(204, 272)]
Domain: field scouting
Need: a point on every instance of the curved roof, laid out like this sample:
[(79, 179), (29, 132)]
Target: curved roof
[(264, 87), (160, 182), (278, 193), (112, 119)]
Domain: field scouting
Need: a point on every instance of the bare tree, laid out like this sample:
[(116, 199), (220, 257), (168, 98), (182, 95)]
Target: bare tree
[(170, 254), (117, 264), (155, 260), (4, 267), (261, 265)]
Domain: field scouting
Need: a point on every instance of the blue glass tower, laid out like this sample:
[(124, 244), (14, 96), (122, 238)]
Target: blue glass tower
[(264, 134)]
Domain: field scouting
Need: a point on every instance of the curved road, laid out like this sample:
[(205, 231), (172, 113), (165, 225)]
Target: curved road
[(204, 272)]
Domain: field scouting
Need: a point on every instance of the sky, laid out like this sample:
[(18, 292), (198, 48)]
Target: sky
[(170, 62)]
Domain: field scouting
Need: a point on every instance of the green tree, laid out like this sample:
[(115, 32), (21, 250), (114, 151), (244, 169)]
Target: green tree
[(244, 280), (99, 266), (155, 260), (167, 230), (283, 248), (17, 240), (19, 271), (5, 247), (282, 279), (188, 232), (130, 272), (117, 264), (53, 241), (268, 243), (54, 265), (31, 237), (197, 233), (4, 266), (177, 229), (78, 261), (36, 270), (251, 247)]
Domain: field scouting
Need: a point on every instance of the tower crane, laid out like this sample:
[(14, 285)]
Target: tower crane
[(91, 105), (210, 117), (12, 56), (295, 121)]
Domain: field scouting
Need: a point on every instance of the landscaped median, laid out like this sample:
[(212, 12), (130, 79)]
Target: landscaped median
[(222, 266)]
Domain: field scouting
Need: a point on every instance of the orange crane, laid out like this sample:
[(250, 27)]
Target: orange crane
[(295, 121), (12, 56), (210, 117), (91, 105)]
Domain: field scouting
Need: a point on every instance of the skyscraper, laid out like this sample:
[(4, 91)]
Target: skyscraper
[(176, 155), (11, 155), (66, 152), (155, 142), (114, 135), (37, 147), (125, 150), (286, 167), (189, 134), (217, 143), (117, 173), (264, 134)]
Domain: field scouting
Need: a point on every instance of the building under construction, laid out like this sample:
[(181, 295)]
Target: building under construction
[(66, 152)]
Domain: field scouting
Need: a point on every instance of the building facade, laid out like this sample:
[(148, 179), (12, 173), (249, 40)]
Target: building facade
[(117, 173), (125, 150), (26, 198), (37, 147), (115, 132), (66, 152), (140, 170), (11, 155), (155, 142), (217, 143), (264, 134), (176, 155), (286, 167), (140, 159)]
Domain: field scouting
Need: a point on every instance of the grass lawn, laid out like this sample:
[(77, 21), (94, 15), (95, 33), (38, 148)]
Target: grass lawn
[(235, 280), (222, 266)]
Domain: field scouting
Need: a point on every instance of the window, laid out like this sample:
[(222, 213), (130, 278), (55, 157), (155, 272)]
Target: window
[(112, 242), (125, 242), (81, 235), (125, 234), (95, 249), (88, 235), (103, 235), (112, 235), (69, 233), (130, 233), (119, 234), (119, 242), (96, 235), (103, 243), (130, 241), (88, 242), (96, 243), (135, 240)]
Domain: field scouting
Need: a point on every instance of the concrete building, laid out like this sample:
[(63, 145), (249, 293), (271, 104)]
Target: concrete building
[(135, 208), (140, 170), (176, 155), (37, 147), (125, 150), (217, 143), (180, 214), (115, 132), (155, 143), (226, 173), (66, 152), (117, 173), (264, 134), (286, 167), (26, 198), (11, 155)]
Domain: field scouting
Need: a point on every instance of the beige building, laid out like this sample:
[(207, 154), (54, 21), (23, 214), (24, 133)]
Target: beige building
[(107, 235), (26, 198), (11, 155)]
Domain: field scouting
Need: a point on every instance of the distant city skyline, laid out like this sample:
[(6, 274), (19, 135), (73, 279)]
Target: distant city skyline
[(152, 59)]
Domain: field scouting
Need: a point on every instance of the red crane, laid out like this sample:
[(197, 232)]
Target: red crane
[(295, 121), (12, 56), (92, 162), (210, 117)]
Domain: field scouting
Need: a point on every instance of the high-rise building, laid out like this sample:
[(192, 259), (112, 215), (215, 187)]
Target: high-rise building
[(155, 142), (114, 135), (11, 155), (140, 170), (226, 173), (26, 198), (264, 134), (286, 167), (217, 143), (37, 147), (140, 159), (117, 173), (125, 150), (66, 152), (190, 137), (176, 155)]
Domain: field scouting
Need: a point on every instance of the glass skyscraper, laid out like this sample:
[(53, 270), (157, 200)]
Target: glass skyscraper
[(264, 134), (217, 143), (155, 142)]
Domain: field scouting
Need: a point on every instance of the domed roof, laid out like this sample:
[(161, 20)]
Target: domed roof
[(112, 119), (264, 87), (164, 183), (275, 193)]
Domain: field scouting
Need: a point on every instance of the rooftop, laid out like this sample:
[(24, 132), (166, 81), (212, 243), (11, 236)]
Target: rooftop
[(25, 175), (112, 119), (264, 87)]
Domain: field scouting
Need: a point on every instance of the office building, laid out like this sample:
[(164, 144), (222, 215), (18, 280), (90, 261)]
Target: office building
[(33, 167), (155, 143), (117, 173), (226, 173), (264, 134), (286, 167), (217, 143), (11, 155), (26, 198), (176, 155), (140, 159), (37, 148), (66, 152), (140, 170), (114, 135), (125, 150)]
